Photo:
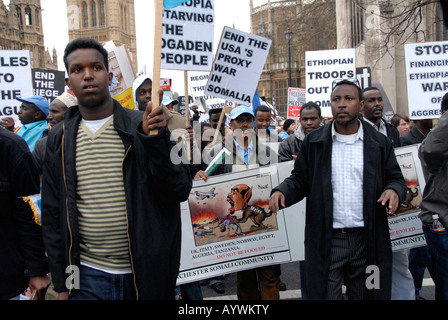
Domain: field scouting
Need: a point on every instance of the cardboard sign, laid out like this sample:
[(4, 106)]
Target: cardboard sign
[(296, 99), (406, 227), (123, 76), (49, 84), (427, 78), (237, 68), (364, 76), (198, 83), (322, 67), (217, 240), (187, 36), (165, 84), (15, 81)]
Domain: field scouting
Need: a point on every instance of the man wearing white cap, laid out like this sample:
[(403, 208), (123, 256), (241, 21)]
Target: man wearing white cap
[(55, 115), (142, 92), (58, 106)]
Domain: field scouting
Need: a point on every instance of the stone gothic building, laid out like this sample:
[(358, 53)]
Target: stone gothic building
[(21, 29), (311, 25), (104, 20)]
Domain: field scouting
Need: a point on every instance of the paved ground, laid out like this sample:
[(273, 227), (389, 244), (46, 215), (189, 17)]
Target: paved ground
[(291, 277)]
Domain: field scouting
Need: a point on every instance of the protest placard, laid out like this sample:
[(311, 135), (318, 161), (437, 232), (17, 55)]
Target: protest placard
[(49, 84), (221, 236), (364, 76), (187, 36), (237, 67), (198, 83), (296, 98), (322, 68), (427, 78), (15, 81), (406, 228), (123, 76)]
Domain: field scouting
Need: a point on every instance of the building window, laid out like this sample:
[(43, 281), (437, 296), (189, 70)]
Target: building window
[(102, 14), (28, 16), (85, 15), (357, 23), (19, 17), (281, 95), (93, 13), (441, 30), (36, 18)]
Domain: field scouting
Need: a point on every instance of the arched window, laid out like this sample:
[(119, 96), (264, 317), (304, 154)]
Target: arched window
[(102, 14), (85, 15), (19, 17), (93, 13), (28, 16), (125, 20), (36, 18)]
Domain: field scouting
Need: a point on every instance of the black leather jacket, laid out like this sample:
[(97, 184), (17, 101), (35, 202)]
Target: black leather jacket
[(22, 253), (154, 186)]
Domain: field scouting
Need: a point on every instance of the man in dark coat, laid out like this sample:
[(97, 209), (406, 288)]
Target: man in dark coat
[(417, 133), (150, 187), (22, 256), (317, 177)]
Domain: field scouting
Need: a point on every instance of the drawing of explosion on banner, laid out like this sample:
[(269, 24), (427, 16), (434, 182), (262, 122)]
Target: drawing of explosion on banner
[(414, 195), (231, 209)]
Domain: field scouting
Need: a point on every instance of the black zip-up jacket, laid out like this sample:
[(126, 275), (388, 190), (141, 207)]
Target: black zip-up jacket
[(154, 188), (22, 253)]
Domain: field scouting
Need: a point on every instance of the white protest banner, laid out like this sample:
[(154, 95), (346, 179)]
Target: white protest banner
[(187, 36), (49, 84), (227, 225), (322, 67), (15, 81), (237, 67), (123, 76), (427, 78), (406, 228), (198, 83), (296, 99)]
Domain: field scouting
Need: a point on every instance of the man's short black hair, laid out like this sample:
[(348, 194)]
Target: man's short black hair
[(213, 111), (368, 89), (262, 109), (349, 83), (310, 105), (444, 105), (85, 43)]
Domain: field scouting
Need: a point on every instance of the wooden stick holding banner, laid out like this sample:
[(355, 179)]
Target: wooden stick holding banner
[(187, 99), (187, 112), (221, 118), (158, 18)]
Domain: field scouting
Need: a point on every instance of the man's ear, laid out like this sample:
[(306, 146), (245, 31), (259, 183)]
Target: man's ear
[(67, 82), (111, 77), (39, 115), (361, 105)]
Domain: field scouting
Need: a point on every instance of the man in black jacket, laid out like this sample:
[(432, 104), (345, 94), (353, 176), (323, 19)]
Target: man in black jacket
[(349, 174), (417, 133), (111, 195), (310, 119), (23, 262), (372, 106)]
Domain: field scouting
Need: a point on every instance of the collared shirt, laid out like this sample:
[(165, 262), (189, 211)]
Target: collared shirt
[(347, 166), (381, 127), (244, 154)]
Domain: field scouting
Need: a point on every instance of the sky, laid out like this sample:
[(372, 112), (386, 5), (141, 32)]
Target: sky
[(232, 13)]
